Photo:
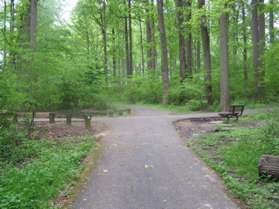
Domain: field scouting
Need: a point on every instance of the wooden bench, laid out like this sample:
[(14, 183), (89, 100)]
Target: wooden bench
[(235, 112)]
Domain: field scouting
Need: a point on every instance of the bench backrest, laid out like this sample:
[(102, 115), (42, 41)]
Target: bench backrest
[(237, 109)]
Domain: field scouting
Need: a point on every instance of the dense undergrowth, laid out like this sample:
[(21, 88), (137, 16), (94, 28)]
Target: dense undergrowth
[(33, 172), (235, 155)]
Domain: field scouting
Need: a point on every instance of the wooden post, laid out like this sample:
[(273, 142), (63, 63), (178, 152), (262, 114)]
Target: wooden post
[(69, 119), (51, 117), (110, 113), (129, 111), (87, 120)]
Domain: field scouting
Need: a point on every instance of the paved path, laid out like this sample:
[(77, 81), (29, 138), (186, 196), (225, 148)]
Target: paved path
[(145, 165)]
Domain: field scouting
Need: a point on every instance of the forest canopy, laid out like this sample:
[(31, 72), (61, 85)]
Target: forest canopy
[(196, 53)]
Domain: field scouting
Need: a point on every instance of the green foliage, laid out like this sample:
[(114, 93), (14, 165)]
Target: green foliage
[(49, 167), (10, 98), (235, 155), (143, 90), (272, 72)]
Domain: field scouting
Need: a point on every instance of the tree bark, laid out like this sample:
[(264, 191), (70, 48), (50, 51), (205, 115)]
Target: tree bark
[(164, 51), (113, 53), (189, 39), (224, 62), (198, 55), (130, 38), (5, 35), (12, 28), (258, 36), (206, 54), (245, 51), (271, 22), (126, 37), (262, 46), (141, 47), (33, 12), (150, 37), (180, 6), (104, 35), (235, 29)]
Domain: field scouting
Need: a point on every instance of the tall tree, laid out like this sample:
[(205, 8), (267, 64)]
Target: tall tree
[(224, 61), (189, 39), (164, 51), (12, 36), (5, 35), (206, 52), (271, 22), (198, 54), (245, 51), (113, 53), (180, 7), (141, 46), (130, 72), (150, 36), (127, 48), (32, 23), (258, 36)]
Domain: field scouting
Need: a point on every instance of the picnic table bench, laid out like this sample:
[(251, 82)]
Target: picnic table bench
[(235, 112)]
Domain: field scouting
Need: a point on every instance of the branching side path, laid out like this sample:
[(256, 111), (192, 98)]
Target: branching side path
[(146, 165)]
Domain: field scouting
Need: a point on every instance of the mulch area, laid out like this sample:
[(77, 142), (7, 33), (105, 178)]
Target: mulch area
[(193, 127), (59, 130)]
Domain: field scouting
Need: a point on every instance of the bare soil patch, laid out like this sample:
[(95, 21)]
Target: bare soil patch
[(192, 127), (60, 130)]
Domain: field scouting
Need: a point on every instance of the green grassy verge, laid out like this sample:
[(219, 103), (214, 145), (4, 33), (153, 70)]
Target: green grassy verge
[(36, 182), (235, 154)]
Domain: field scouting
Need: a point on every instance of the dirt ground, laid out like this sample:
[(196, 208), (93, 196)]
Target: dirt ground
[(60, 130), (193, 127)]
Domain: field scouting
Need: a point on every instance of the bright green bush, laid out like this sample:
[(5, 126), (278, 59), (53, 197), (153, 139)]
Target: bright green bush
[(271, 61), (143, 90)]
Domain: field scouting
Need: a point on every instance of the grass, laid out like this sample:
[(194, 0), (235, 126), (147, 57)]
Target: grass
[(36, 182), (235, 155)]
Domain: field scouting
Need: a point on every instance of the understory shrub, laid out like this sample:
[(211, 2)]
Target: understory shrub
[(144, 90), (33, 184)]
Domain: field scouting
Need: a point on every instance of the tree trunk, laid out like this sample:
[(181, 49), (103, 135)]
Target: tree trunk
[(271, 22), (245, 56), (141, 47), (235, 29), (224, 62), (180, 6), (12, 26), (206, 54), (257, 28), (269, 166), (126, 36), (150, 37), (198, 55), (105, 42), (104, 35), (189, 39), (164, 51), (130, 38), (262, 44), (5, 35), (113, 53), (33, 10), (88, 48)]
